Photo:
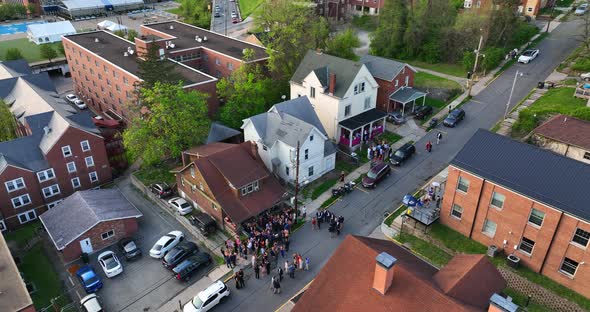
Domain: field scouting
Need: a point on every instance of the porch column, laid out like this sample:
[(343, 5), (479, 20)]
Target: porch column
[(414, 105), (350, 136), (423, 100), (403, 109)]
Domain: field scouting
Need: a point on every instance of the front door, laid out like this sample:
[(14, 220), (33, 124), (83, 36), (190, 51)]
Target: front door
[(86, 246)]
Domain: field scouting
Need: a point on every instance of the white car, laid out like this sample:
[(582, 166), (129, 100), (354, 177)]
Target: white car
[(208, 298), (80, 104), (585, 76), (91, 303), (165, 243), (71, 98), (180, 205), (528, 56), (110, 264), (234, 14), (581, 9)]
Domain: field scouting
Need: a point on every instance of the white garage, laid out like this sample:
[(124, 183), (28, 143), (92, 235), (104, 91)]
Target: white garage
[(49, 32)]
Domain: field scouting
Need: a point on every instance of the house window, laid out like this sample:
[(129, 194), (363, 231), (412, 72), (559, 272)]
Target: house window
[(407, 80), (230, 66), (526, 245), (312, 92), (15, 184), (581, 237), (264, 147), (396, 83), (367, 102), (362, 87), (529, 9), (71, 167), (467, 4), (489, 227), (536, 217), (310, 171), (569, 267), (53, 204), (498, 200), (76, 182), (93, 176), (125, 80), (118, 88), (250, 188), (217, 61), (192, 171), (67, 151), (2, 225), (20, 201), (214, 206), (347, 110), (457, 211), (45, 175), (99, 77), (27, 216), (356, 89), (107, 235), (287, 170), (463, 184), (311, 138), (51, 190), (89, 161), (201, 186), (306, 154), (587, 155)]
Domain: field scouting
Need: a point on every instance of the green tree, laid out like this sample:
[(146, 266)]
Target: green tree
[(388, 39), (195, 12), (131, 34), (177, 120), (119, 33), (343, 45), (152, 69), (61, 49), (13, 54), (32, 9), (7, 123), (47, 52)]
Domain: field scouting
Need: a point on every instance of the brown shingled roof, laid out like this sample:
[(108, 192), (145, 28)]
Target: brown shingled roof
[(413, 288), (566, 129)]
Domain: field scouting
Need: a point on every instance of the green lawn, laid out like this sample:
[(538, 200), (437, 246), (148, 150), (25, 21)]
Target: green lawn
[(555, 101), (455, 240), (435, 255), (449, 69), (24, 234), (426, 80), (156, 174), (174, 11), (37, 269), (29, 50), (521, 299), (365, 22), (248, 6), (324, 186)]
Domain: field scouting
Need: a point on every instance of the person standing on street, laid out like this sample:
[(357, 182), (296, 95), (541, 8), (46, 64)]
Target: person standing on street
[(241, 275), (257, 271), (438, 137), (429, 146), (276, 286), (280, 270), (306, 263)]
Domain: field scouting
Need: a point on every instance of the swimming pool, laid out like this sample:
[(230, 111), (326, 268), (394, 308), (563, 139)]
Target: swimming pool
[(9, 29)]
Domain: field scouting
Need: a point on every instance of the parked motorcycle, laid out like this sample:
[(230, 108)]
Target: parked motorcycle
[(344, 189)]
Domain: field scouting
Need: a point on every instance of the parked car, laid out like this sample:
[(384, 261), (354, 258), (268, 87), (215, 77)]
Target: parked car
[(217, 14), (396, 117), (528, 56), (402, 154), (179, 253), (454, 117), (165, 243), (422, 111), (234, 14), (162, 190), (71, 98), (585, 76), (235, 20), (581, 9), (91, 303), (180, 205), (89, 279), (203, 222), (376, 174), (110, 264), (129, 249), (185, 269), (208, 298), (80, 104)]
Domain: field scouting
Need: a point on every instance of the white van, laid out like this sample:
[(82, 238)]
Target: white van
[(208, 298)]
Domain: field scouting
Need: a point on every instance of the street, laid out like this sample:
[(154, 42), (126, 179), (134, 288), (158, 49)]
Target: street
[(224, 22), (364, 210)]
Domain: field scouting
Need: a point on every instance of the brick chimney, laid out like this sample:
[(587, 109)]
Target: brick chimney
[(332, 84), (384, 268)]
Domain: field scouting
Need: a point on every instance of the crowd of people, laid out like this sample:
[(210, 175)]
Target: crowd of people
[(334, 222)]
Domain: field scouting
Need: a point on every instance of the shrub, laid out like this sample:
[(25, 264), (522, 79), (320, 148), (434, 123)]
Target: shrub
[(493, 58), (468, 60), (523, 33), (582, 65)]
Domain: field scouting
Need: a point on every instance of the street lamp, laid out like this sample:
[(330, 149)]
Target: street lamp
[(516, 75)]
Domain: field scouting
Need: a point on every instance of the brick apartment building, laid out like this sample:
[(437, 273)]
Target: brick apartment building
[(59, 151), (525, 200), (105, 70)]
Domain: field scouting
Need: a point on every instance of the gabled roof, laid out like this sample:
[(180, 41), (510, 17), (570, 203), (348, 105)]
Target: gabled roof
[(383, 68), (566, 129), (542, 175), (345, 70), (405, 95), (219, 132), (16, 68), (301, 108), (82, 211)]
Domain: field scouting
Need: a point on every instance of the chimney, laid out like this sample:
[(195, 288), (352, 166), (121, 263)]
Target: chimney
[(501, 304), (332, 84), (384, 268), (47, 130)]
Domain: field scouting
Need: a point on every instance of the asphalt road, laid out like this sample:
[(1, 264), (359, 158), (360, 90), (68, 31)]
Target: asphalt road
[(224, 22), (364, 210)]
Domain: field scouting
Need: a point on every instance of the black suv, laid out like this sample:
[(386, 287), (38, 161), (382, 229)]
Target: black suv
[(129, 248), (422, 111), (162, 190), (186, 268), (454, 117), (376, 174), (402, 154), (203, 222), (178, 253)]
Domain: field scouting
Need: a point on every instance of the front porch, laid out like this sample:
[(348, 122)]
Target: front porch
[(361, 128), (403, 96)]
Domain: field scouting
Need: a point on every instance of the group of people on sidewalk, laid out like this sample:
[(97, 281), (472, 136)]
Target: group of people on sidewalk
[(335, 223)]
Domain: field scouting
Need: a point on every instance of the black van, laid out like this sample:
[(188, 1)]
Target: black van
[(203, 222), (178, 253), (186, 268)]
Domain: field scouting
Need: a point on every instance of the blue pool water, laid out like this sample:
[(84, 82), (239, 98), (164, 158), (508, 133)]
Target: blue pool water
[(9, 29)]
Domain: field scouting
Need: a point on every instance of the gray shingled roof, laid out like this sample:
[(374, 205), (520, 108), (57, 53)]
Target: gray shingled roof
[(83, 210), (547, 177), (219, 132), (405, 95), (382, 68), (301, 108), (345, 70)]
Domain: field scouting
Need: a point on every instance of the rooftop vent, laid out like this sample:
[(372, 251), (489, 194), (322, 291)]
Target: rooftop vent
[(125, 53), (197, 38), (130, 51), (204, 38), (47, 130), (171, 26), (170, 45), (96, 40)]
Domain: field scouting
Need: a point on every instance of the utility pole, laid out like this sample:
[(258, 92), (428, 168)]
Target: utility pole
[(511, 91), (550, 16), (470, 81), (296, 181), (225, 16)]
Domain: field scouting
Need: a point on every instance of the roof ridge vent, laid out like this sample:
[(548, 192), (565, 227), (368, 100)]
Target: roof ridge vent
[(96, 40)]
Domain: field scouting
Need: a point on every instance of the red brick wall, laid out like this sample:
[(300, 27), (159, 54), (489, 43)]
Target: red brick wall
[(31, 187), (386, 88), (122, 228)]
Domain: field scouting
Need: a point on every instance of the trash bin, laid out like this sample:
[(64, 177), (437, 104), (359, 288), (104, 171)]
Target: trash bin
[(541, 85), (512, 261), (492, 251), (550, 85)]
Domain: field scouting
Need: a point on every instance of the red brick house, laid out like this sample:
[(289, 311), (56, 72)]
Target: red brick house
[(89, 221), (396, 84), (228, 181), (525, 200), (60, 151)]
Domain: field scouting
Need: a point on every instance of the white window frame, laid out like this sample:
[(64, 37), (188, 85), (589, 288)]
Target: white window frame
[(2, 225), (53, 204), (368, 102), (568, 273), (587, 155), (453, 210), (312, 92), (26, 214), (85, 142), (66, 151), (43, 176), (531, 214), (192, 171), (109, 234), (306, 154), (21, 201), (14, 183), (70, 170), (250, 188), (310, 171), (576, 234), (362, 87), (485, 224), (95, 176), (492, 200), (527, 243), (76, 179), (51, 188), (459, 184), (91, 161), (349, 108)]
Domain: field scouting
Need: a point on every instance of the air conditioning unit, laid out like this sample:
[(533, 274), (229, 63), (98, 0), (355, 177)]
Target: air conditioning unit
[(204, 38), (172, 45), (125, 53), (197, 38)]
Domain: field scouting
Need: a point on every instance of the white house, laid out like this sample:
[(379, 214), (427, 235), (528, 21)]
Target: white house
[(277, 132), (343, 94), (49, 32)]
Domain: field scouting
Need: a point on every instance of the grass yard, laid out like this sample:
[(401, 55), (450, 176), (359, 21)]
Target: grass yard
[(24, 234), (247, 7), (521, 299), (435, 255), (174, 11), (455, 240), (29, 50), (555, 101), (456, 70), (365, 22), (426, 80), (160, 173), (324, 186), (37, 269)]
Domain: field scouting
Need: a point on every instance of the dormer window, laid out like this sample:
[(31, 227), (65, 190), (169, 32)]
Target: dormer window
[(252, 187)]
